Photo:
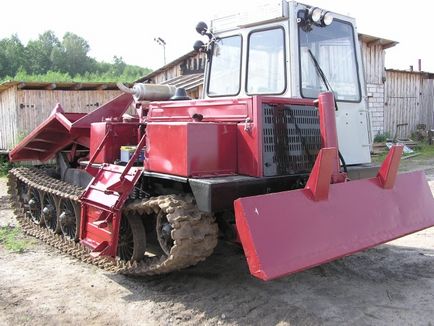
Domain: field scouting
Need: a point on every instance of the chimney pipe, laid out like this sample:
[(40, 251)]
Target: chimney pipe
[(419, 64), (411, 68)]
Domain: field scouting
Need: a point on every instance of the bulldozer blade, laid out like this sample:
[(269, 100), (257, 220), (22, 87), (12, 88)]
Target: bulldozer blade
[(287, 232)]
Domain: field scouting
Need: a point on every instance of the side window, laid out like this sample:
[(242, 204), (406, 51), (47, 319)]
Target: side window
[(266, 62), (225, 70)]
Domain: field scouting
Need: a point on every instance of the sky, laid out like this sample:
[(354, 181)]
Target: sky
[(128, 28)]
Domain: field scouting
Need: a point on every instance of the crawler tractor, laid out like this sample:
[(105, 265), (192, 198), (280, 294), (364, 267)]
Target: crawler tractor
[(275, 157)]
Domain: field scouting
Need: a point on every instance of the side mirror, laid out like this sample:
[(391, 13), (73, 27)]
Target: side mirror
[(201, 28), (199, 46)]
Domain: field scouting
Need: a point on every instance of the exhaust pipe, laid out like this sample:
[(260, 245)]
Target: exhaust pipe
[(149, 92)]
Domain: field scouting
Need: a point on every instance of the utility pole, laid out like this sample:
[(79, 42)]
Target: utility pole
[(161, 42)]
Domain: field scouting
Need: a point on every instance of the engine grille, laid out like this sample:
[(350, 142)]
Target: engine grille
[(291, 139)]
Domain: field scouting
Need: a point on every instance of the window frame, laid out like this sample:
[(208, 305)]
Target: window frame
[(355, 60), (285, 76), (240, 74)]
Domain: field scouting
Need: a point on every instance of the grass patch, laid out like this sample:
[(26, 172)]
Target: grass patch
[(424, 151), (12, 239)]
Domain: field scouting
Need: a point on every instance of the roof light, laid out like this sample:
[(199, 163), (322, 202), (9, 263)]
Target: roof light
[(327, 18), (315, 15)]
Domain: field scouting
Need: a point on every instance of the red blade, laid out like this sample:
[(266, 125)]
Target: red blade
[(286, 232)]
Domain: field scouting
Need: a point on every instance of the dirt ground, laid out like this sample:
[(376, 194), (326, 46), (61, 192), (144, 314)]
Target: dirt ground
[(392, 284)]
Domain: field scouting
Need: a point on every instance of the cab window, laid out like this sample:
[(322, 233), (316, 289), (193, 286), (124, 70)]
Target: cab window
[(225, 69), (266, 62)]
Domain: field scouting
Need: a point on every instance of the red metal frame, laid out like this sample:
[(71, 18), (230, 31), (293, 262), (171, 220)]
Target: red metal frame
[(102, 201), (113, 109), (101, 205), (98, 150), (246, 112)]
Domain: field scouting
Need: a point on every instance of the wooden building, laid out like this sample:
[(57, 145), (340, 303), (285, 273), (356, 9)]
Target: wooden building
[(24, 105), (373, 55), (398, 100), (186, 72), (409, 101)]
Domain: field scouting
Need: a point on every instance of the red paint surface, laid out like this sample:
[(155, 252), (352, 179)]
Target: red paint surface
[(320, 176), (121, 134), (286, 232), (48, 138), (216, 110), (389, 169), (191, 148), (101, 205), (329, 133)]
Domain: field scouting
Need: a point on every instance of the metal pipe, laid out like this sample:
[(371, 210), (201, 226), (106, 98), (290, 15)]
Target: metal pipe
[(327, 120), (125, 89), (149, 92)]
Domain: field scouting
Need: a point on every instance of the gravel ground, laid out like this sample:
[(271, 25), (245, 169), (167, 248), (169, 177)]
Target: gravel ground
[(392, 284)]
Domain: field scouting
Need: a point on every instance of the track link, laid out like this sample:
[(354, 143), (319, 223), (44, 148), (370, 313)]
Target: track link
[(194, 232)]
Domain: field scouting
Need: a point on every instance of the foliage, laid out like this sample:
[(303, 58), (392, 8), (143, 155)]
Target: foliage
[(5, 166), (381, 138), (11, 239), (51, 60)]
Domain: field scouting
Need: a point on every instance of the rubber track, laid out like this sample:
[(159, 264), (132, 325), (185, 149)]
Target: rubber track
[(194, 232)]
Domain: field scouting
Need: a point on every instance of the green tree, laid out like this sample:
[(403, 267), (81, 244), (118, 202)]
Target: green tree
[(12, 55), (48, 59), (39, 52), (118, 66), (71, 55)]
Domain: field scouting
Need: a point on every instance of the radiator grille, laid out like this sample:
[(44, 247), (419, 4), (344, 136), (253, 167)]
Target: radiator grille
[(291, 139)]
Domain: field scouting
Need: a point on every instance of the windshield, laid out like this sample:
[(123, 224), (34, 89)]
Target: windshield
[(225, 73), (333, 47)]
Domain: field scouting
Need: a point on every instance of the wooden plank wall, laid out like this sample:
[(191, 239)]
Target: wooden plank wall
[(373, 60), (409, 99), (8, 120), (33, 106), (194, 64), (168, 74), (427, 104), (196, 92)]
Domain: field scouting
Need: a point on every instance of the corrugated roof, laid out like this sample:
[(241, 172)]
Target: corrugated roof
[(426, 74), (58, 85), (369, 39), (187, 81)]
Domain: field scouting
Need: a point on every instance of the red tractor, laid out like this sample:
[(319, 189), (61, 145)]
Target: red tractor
[(256, 161)]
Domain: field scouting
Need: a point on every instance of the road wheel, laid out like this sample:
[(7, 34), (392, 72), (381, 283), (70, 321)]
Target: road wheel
[(132, 238), (69, 218), (35, 206), (50, 212)]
